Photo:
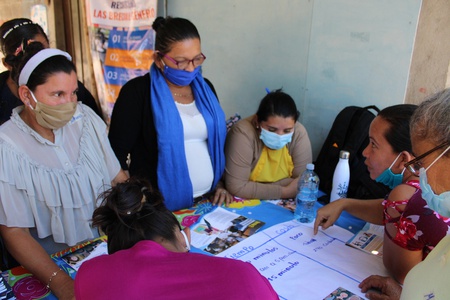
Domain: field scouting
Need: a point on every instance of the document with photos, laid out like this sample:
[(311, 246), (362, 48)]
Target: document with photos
[(221, 229), (369, 239)]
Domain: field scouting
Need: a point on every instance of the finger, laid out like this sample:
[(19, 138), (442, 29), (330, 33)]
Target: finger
[(376, 296), (317, 222), (229, 199), (216, 197)]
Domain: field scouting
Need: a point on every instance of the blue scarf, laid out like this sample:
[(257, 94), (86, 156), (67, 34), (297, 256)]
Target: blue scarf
[(172, 170)]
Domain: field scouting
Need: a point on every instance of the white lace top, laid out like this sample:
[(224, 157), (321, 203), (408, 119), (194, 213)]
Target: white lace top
[(53, 186)]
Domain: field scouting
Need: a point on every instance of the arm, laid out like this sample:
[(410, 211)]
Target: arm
[(300, 150), (241, 153), (126, 118), (27, 251), (368, 210), (399, 260)]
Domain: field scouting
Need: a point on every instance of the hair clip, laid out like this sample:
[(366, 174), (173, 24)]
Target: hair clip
[(18, 50)]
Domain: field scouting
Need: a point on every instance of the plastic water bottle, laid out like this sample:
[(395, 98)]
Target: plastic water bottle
[(341, 177), (308, 188)]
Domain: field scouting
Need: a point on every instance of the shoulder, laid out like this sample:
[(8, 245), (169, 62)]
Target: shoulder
[(3, 77), (136, 90), (89, 116), (299, 129), (401, 192), (139, 81), (242, 129)]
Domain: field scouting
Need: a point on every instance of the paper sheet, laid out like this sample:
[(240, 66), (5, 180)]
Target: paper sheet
[(300, 265)]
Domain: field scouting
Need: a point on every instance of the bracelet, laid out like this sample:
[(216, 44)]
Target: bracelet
[(51, 277)]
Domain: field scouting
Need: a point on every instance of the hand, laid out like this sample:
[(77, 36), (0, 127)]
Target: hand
[(388, 288), (221, 195), (290, 190), (328, 214)]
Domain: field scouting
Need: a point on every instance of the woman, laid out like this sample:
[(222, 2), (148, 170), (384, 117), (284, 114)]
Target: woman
[(55, 160), (12, 34), (412, 230), (148, 256), (267, 152), (169, 121), (430, 136)]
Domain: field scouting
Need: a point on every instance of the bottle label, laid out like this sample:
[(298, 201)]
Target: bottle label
[(342, 189)]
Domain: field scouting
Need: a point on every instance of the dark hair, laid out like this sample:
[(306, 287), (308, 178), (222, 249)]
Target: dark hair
[(277, 103), (46, 68), (133, 211), (171, 30), (17, 31), (398, 117)]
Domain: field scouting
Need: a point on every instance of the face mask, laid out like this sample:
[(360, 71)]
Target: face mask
[(188, 246), (439, 203), (389, 178), (275, 141), (53, 116), (180, 77)]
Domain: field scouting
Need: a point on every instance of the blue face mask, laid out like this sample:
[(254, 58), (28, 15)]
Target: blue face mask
[(389, 178), (180, 77), (275, 141), (439, 203)]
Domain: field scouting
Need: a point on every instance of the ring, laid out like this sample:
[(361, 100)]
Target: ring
[(223, 192)]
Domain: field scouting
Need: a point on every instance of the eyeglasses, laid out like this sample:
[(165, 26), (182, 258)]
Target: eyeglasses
[(414, 165), (183, 64)]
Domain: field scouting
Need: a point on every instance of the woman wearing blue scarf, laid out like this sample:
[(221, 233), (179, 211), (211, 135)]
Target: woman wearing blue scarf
[(169, 123)]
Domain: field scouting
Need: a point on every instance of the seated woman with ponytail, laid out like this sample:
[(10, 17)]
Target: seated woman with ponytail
[(149, 255)]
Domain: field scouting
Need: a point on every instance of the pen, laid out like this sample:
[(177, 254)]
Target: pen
[(208, 224)]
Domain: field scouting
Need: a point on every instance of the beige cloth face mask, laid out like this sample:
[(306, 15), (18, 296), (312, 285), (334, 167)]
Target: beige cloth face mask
[(53, 116)]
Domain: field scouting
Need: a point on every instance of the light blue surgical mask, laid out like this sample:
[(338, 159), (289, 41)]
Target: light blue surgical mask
[(389, 178), (439, 203), (275, 141), (180, 77)]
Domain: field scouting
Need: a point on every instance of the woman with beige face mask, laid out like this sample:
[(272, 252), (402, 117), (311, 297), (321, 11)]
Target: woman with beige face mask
[(55, 161)]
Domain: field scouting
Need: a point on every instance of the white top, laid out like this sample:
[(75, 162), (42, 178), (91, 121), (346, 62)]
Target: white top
[(196, 148), (429, 279), (53, 186)]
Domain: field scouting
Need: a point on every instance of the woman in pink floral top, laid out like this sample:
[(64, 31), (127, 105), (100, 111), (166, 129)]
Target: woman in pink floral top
[(411, 228), (412, 225)]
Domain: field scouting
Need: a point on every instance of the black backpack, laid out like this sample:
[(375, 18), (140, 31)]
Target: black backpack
[(350, 132)]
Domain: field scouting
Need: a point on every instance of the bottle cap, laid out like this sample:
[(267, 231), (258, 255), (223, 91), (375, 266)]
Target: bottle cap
[(344, 154), (310, 167)]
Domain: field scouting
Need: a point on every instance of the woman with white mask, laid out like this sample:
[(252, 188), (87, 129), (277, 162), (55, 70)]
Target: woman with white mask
[(430, 136), (267, 152)]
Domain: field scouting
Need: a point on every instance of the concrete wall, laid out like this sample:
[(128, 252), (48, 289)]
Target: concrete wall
[(327, 54), (431, 57)]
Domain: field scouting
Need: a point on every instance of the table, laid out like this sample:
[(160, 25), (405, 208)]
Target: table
[(25, 285)]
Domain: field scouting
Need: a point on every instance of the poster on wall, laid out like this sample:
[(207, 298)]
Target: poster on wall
[(121, 40)]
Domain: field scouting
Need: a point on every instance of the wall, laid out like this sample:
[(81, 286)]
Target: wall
[(327, 54), (431, 57), (21, 9)]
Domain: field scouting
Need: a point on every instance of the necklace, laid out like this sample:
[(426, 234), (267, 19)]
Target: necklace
[(182, 95)]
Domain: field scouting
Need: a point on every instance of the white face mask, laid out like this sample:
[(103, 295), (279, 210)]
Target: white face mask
[(439, 203), (188, 246)]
